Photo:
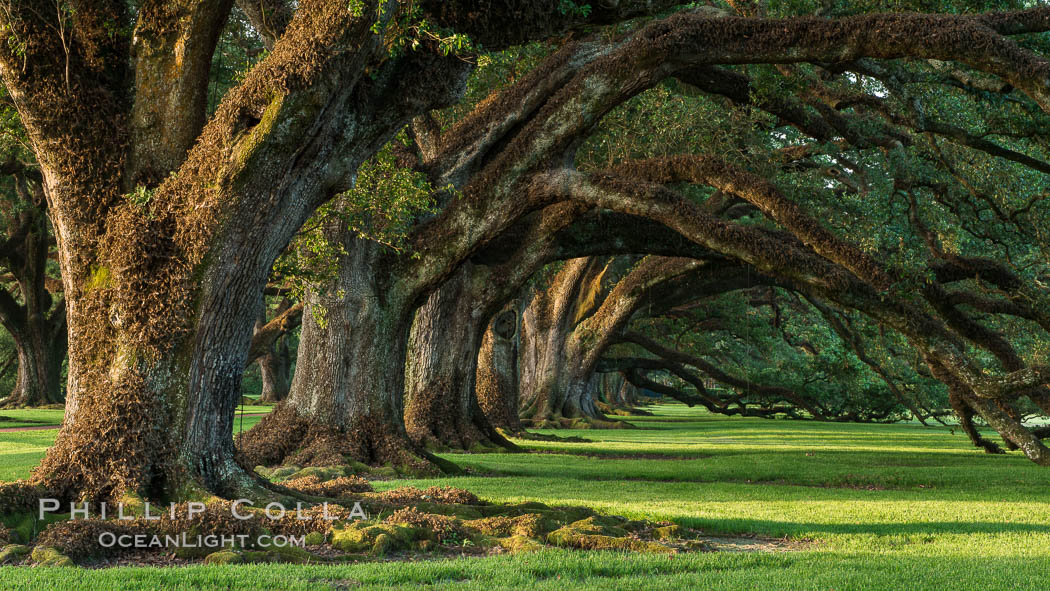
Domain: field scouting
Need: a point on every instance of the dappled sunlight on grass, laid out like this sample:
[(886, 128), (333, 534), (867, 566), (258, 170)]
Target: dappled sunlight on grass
[(878, 507)]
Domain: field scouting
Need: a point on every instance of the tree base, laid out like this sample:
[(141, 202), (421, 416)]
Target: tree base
[(285, 437), (576, 423), (460, 435), (622, 411)]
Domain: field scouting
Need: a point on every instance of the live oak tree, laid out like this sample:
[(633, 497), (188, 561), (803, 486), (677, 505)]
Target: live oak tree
[(496, 374), (31, 308), (168, 221), (567, 327), (271, 339), (825, 127), (447, 385)]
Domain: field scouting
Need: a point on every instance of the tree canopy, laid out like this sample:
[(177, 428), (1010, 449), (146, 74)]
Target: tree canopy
[(807, 209)]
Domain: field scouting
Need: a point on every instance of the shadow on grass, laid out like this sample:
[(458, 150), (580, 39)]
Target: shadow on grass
[(768, 527)]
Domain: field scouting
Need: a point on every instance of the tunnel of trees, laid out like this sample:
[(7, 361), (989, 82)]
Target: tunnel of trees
[(416, 226)]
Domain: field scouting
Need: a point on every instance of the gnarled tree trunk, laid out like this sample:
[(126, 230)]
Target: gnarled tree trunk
[(497, 373), (275, 370), (553, 383), (28, 311), (567, 329), (442, 407), (163, 286), (41, 349), (346, 400)]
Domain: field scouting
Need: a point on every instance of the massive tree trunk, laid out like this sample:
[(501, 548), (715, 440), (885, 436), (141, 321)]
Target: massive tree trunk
[(346, 400), (497, 373), (275, 361), (163, 286), (552, 382), (567, 328), (275, 370), (41, 349), (442, 406)]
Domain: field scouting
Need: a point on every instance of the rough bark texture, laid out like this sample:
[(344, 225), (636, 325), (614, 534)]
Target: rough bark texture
[(163, 292), (497, 373), (567, 328), (275, 363), (826, 278), (442, 407), (549, 389), (163, 288), (346, 400)]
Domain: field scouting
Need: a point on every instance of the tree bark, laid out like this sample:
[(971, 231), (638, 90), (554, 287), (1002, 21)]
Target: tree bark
[(442, 406), (497, 373), (275, 364), (41, 351), (346, 399), (269, 348), (275, 369), (567, 329), (163, 281), (550, 389)]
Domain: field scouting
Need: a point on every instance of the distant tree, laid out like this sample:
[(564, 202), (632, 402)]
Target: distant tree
[(32, 310)]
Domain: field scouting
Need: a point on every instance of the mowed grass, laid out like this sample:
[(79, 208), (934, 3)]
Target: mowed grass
[(879, 506), (45, 417), (20, 451)]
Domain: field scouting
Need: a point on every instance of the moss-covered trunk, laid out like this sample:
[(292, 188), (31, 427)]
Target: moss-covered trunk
[(442, 409), (275, 363), (36, 323), (496, 381), (148, 410), (346, 399), (275, 368), (553, 379)]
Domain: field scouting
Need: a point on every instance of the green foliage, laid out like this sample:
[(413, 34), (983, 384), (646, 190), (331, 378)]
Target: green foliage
[(385, 202), (570, 8), (386, 199), (411, 31), (777, 339), (356, 8), (238, 50), (141, 196)]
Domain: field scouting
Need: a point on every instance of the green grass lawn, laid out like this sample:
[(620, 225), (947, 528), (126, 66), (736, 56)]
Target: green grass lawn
[(884, 506), (42, 417)]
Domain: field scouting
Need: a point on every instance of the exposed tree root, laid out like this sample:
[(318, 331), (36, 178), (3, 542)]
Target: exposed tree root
[(561, 422), (284, 437), (530, 436), (458, 433)]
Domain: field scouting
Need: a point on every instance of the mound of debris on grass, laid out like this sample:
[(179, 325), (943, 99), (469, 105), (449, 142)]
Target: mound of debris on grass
[(358, 524)]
